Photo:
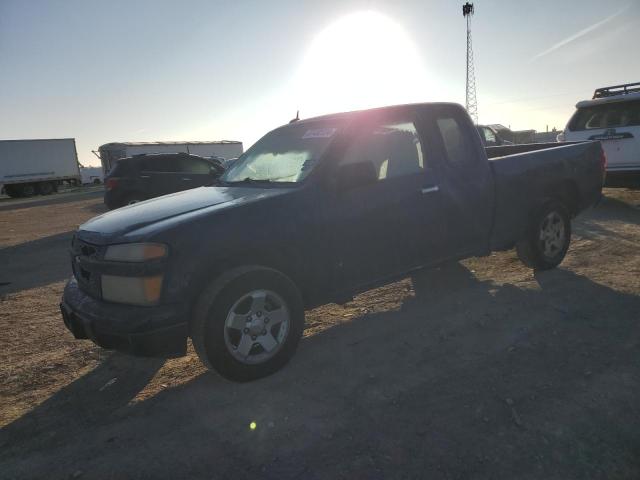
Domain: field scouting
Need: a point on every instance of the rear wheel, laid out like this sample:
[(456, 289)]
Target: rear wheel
[(27, 190), (547, 239), (46, 188), (248, 325)]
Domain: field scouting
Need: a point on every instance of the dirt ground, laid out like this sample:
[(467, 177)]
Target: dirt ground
[(479, 370)]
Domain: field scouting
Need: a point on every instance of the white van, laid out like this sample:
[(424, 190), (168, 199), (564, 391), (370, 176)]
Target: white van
[(613, 117)]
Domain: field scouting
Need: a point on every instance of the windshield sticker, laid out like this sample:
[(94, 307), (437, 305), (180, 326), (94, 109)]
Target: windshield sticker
[(320, 133)]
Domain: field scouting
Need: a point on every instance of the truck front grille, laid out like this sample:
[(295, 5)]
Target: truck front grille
[(87, 281)]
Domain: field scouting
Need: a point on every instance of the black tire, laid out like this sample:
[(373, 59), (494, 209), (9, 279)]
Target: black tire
[(96, 181), (12, 191), (547, 238), (46, 188), (27, 189), (215, 303)]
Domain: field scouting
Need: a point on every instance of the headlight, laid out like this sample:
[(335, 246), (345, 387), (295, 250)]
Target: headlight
[(144, 291), (135, 252)]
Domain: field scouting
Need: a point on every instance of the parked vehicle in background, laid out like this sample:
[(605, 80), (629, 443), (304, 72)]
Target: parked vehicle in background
[(612, 116), (110, 153), (315, 212), (91, 175), (32, 167), (490, 136), (138, 178)]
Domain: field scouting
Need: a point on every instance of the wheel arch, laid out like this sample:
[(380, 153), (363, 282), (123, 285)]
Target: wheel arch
[(223, 272), (565, 192)]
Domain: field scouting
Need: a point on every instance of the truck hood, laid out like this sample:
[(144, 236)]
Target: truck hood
[(133, 217)]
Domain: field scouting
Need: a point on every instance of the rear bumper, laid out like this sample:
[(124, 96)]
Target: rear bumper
[(144, 331)]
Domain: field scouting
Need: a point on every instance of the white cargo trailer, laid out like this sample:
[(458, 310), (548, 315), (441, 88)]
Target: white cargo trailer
[(92, 175), (110, 153), (29, 167)]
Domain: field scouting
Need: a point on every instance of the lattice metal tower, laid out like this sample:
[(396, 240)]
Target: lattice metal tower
[(472, 103)]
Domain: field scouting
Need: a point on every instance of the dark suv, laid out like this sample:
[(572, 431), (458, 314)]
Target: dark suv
[(140, 177)]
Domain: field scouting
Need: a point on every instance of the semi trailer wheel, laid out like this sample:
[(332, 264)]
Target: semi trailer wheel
[(27, 189), (46, 188)]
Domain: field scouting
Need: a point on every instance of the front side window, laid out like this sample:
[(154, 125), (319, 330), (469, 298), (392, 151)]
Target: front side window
[(393, 148), (161, 164), (194, 165), (608, 115), (285, 155)]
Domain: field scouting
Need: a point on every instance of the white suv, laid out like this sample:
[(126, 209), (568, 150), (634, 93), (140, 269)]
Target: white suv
[(613, 117)]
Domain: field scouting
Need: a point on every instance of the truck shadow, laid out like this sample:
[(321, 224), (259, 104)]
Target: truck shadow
[(465, 369), (590, 224), (35, 263), (91, 401)]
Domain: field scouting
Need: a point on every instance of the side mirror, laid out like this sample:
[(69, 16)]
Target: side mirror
[(353, 175)]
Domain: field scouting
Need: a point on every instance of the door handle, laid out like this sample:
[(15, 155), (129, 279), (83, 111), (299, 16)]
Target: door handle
[(187, 179), (432, 189), (145, 176)]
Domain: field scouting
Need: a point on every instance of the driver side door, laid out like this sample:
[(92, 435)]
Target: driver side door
[(394, 223)]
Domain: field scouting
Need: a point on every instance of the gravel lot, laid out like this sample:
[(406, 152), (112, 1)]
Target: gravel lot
[(478, 369)]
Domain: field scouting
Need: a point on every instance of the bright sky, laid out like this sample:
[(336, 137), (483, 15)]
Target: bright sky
[(104, 71)]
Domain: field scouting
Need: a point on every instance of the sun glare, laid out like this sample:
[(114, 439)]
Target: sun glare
[(362, 60)]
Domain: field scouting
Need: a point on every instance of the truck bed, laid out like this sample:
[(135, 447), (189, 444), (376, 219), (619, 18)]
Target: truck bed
[(522, 173)]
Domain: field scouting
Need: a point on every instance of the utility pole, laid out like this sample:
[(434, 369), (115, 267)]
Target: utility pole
[(471, 102)]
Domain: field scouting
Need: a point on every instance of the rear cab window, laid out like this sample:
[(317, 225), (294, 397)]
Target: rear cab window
[(123, 168)]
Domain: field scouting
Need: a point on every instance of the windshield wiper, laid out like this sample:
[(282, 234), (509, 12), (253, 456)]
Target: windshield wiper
[(250, 180)]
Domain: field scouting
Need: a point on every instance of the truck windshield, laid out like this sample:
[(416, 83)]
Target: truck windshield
[(285, 155)]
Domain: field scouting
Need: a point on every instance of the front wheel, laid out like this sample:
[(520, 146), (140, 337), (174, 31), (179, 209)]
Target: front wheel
[(547, 239), (248, 324)]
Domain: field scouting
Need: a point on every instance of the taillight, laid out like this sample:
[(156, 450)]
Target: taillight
[(111, 183), (603, 164)]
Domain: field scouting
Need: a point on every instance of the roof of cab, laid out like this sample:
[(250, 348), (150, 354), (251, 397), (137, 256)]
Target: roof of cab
[(355, 113), (110, 145)]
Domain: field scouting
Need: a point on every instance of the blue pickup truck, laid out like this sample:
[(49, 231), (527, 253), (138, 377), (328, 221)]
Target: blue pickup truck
[(315, 212)]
